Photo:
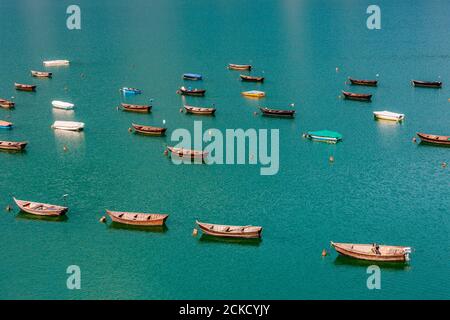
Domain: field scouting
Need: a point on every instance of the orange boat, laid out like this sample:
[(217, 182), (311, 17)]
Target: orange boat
[(233, 66), (219, 230), (25, 87), (188, 153), (41, 209), (434, 139), (373, 252), (138, 219), (6, 104), (136, 108), (149, 130), (12, 145)]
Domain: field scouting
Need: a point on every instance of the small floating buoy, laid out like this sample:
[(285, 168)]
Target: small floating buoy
[(8, 208), (181, 110), (337, 69), (194, 232), (444, 164), (414, 140), (166, 152), (324, 253), (65, 148), (304, 135), (130, 130), (449, 99), (164, 121), (255, 113), (377, 75), (117, 108), (102, 219), (331, 159), (82, 75)]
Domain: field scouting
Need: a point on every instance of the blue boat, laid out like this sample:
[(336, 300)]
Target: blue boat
[(5, 125), (126, 90), (192, 76)]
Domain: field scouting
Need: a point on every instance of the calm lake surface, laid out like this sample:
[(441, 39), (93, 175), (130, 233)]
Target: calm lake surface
[(381, 188)]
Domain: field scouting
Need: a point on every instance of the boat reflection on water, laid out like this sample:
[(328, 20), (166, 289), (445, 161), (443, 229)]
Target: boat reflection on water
[(27, 216), (69, 140), (206, 238), (347, 261), (152, 229)]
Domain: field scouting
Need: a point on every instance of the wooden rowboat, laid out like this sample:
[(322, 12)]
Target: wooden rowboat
[(277, 113), (187, 153), (200, 110), (41, 209), (369, 83), (5, 124), (148, 130), (25, 87), (233, 66), (191, 92), (373, 252), (136, 108), (251, 79), (219, 230), (357, 96), (12, 145), (434, 139), (41, 74), (426, 84), (6, 104), (138, 219), (68, 125)]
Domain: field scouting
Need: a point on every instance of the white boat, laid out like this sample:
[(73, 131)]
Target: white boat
[(387, 115), (54, 63), (68, 125), (62, 105)]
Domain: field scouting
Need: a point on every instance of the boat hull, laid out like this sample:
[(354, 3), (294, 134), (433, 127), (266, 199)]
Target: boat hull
[(434, 139), (425, 84), (22, 87), (277, 113), (367, 83), (403, 257), (12, 146), (254, 234), (149, 131), (145, 219), (239, 66), (357, 97), (136, 108), (47, 209)]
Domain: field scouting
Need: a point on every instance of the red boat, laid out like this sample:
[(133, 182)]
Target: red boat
[(191, 92), (6, 104), (276, 112), (12, 145), (357, 96), (136, 108), (369, 83), (188, 153), (434, 139), (149, 130), (25, 87), (251, 79)]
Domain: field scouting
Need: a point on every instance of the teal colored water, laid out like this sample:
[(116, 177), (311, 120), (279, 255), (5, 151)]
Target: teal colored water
[(381, 188)]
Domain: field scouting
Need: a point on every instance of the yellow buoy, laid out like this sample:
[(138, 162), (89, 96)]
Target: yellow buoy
[(194, 232)]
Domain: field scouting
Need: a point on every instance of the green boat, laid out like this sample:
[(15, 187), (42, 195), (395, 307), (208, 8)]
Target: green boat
[(324, 136)]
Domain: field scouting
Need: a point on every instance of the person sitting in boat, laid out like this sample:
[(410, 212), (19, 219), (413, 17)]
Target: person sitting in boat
[(376, 248)]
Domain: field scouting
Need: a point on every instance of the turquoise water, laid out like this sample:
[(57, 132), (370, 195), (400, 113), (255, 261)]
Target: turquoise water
[(381, 188)]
